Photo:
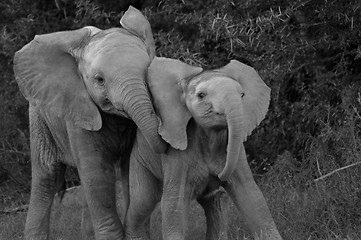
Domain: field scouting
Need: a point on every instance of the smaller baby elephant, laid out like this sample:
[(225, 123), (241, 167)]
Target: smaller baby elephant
[(205, 116)]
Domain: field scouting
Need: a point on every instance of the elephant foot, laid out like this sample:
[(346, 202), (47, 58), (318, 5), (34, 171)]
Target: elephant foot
[(39, 236), (137, 237), (118, 237)]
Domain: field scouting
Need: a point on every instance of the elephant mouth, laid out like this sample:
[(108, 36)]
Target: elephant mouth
[(108, 107), (217, 121), (120, 113)]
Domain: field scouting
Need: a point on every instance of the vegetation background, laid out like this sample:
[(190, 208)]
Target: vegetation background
[(306, 153)]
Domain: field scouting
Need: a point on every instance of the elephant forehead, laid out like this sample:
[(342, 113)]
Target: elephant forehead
[(113, 64), (216, 83), (114, 41)]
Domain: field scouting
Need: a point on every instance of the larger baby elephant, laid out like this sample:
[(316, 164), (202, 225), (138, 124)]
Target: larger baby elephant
[(205, 116), (84, 88)]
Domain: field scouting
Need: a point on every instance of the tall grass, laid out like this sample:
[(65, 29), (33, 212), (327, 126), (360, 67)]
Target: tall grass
[(320, 196), (65, 224), (302, 208)]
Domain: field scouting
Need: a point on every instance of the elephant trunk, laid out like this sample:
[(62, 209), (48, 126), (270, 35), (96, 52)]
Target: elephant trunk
[(133, 98), (233, 112)]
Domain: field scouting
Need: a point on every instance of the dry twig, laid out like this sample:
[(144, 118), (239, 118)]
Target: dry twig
[(23, 208), (336, 170)]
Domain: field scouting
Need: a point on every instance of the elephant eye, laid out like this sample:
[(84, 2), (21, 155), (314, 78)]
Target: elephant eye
[(201, 95), (242, 94), (100, 80)]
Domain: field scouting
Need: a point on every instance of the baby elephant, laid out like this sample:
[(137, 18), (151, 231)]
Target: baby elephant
[(205, 116)]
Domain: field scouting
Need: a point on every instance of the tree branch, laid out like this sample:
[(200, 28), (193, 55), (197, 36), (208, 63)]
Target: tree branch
[(23, 208), (335, 171)]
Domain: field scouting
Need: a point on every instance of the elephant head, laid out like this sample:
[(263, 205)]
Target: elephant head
[(76, 74), (233, 97)]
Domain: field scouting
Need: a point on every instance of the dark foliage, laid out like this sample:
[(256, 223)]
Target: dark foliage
[(308, 52)]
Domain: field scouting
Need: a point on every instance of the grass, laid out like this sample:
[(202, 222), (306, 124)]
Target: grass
[(65, 224), (303, 209), (307, 209)]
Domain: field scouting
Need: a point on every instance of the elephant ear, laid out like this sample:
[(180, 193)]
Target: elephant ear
[(46, 71), (164, 79), (135, 22), (256, 93)]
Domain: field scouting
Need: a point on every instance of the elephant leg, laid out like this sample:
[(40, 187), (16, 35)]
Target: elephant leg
[(250, 201), (98, 181), (43, 189), (87, 231), (215, 207), (175, 199), (122, 191), (47, 179), (97, 175), (122, 202), (144, 195), (86, 224)]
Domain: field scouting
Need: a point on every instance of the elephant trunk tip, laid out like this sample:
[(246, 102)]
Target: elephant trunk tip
[(234, 115), (225, 174)]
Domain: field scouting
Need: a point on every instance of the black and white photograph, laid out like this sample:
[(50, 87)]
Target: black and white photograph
[(180, 120)]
